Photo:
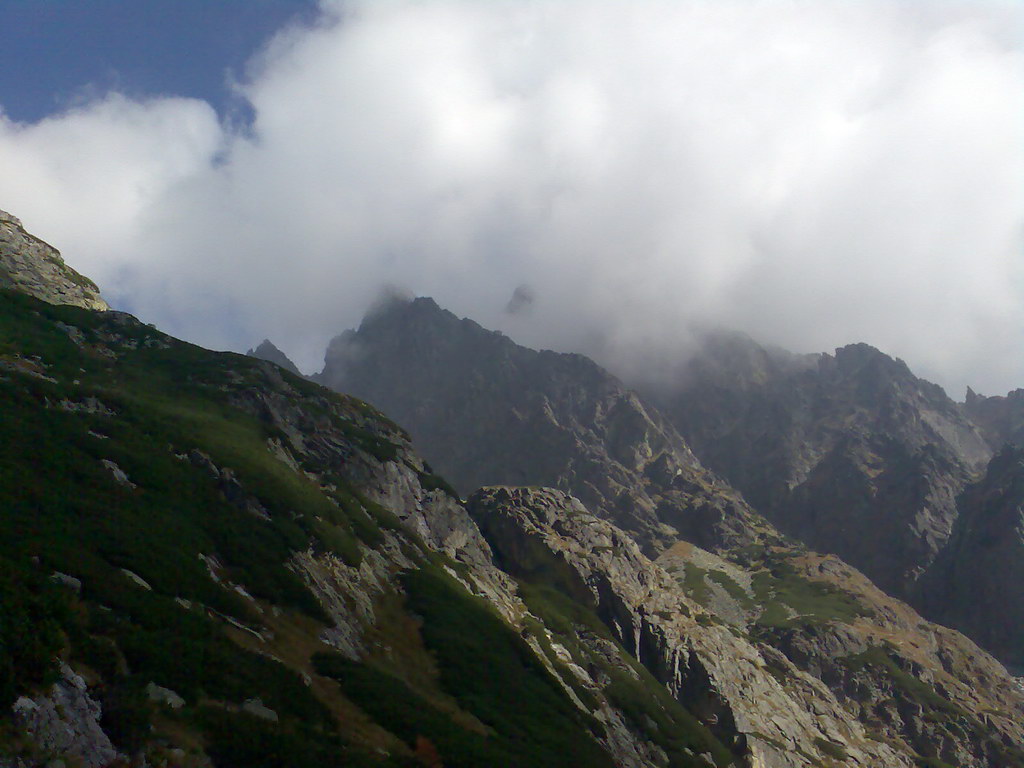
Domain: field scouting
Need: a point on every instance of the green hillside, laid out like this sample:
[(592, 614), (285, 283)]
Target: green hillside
[(147, 537)]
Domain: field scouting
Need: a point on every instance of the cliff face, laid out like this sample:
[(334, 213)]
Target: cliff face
[(1001, 419), (29, 265), (855, 455), (851, 453), (787, 657), (977, 584), (487, 411), (548, 540)]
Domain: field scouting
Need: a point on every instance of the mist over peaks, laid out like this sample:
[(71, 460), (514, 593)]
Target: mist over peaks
[(811, 174)]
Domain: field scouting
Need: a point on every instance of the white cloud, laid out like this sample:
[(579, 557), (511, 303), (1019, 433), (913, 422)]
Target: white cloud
[(813, 173)]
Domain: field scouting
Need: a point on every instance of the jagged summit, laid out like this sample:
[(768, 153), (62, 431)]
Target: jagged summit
[(1001, 418), (424, 321), (394, 305), (421, 327), (430, 341), (850, 452), (267, 351), (29, 265), (487, 411)]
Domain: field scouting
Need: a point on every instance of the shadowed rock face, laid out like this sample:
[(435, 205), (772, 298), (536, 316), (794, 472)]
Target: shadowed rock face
[(29, 265), (486, 411), (977, 583), (1001, 419), (855, 455), (270, 353), (851, 452)]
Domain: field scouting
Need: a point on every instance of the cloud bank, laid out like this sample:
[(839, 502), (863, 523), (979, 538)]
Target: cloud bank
[(811, 173)]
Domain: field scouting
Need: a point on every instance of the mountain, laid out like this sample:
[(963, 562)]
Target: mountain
[(29, 265), (853, 454), (1001, 419), (206, 560), (270, 353), (486, 411), (210, 561), (850, 453), (474, 394)]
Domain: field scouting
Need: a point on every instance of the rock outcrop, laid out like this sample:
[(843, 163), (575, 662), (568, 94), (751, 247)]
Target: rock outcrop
[(1001, 419), (546, 537), (66, 721), (29, 265), (905, 678)]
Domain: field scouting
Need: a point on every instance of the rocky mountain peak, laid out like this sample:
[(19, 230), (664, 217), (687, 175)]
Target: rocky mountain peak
[(419, 330), (419, 315), (858, 355), (29, 265), (1001, 419), (486, 411), (267, 351), (835, 449), (882, 384), (396, 308)]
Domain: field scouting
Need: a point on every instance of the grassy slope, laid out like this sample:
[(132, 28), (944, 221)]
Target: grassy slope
[(63, 510)]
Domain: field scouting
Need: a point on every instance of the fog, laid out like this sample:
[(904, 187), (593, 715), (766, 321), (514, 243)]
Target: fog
[(594, 177)]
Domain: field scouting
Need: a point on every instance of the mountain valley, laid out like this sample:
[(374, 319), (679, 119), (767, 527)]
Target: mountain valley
[(209, 560)]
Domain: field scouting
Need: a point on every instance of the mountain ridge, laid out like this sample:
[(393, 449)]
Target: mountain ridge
[(850, 453), (488, 411), (209, 560), (854, 454)]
